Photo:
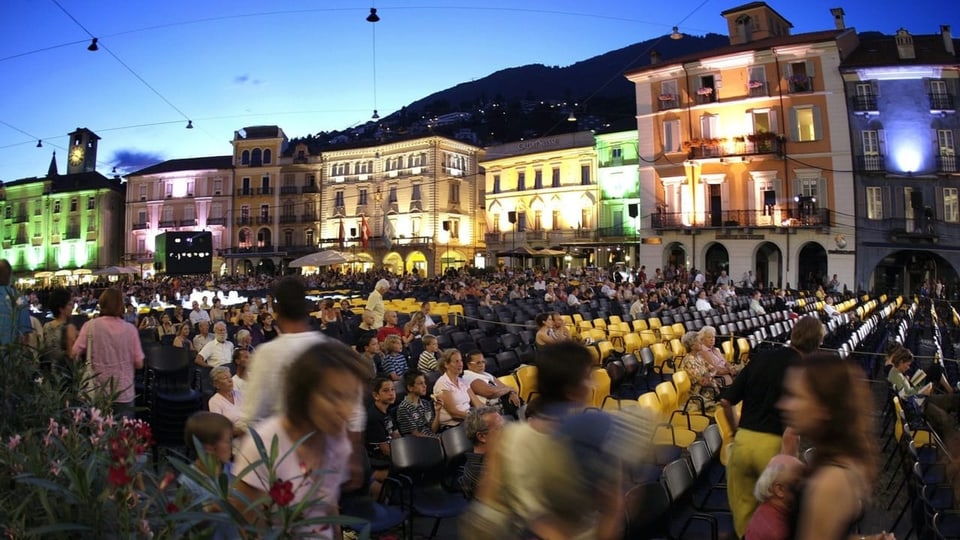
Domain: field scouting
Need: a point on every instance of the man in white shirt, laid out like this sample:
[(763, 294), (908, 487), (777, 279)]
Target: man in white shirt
[(703, 304), (198, 315), (375, 302), (219, 351), (724, 279), (830, 309)]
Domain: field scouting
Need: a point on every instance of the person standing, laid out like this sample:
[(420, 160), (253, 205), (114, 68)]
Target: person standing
[(760, 433), (375, 302), (14, 316)]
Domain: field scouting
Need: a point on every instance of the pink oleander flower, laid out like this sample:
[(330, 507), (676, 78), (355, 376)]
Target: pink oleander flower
[(53, 427), (77, 416), (14, 442), (55, 467), (96, 416)]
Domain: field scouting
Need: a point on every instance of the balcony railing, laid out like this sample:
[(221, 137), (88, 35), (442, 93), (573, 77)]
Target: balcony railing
[(704, 99), (947, 164), (763, 144), (492, 237), (265, 219), (249, 191), (245, 220), (139, 226), (217, 221), (941, 102), (757, 89), (865, 103), (288, 218), (816, 217), (73, 233), (168, 223), (668, 101), (308, 218), (289, 190), (309, 189), (618, 162), (21, 218), (188, 222), (871, 163), (800, 84)]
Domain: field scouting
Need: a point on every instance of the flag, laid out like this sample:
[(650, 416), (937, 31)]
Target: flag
[(388, 233), (364, 231), (343, 234)]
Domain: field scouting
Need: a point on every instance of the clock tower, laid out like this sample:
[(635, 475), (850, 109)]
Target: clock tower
[(82, 153)]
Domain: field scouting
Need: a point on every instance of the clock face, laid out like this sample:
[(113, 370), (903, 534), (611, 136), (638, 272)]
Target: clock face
[(76, 156)]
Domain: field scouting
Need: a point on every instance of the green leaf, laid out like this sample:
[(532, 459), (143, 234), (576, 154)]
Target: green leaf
[(58, 528)]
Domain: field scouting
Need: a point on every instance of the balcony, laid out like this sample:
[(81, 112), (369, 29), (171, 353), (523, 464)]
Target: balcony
[(416, 206), (308, 218), (799, 84), (188, 222), (139, 226), (244, 220), (941, 102), (309, 189), (733, 219), (38, 241), (536, 235), (871, 163), (289, 190), (250, 192), (242, 251), (615, 232), (340, 210), (264, 219), (91, 236), (73, 233), (668, 101), (167, 224), (288, 218), (22, 239), (865, 103), (946, 164), (618, 162), (492, 237), (706, 96), (21, 218), (217, 221), (749, 145), (362, 210), (757, 89)]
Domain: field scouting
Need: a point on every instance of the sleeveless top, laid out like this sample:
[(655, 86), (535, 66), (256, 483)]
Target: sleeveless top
[(800, 493)]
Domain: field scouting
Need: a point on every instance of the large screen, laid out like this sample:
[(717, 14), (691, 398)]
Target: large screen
[(189, 252)]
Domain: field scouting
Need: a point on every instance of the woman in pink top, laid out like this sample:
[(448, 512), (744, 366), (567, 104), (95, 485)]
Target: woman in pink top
[(115, 351), (453, 392)]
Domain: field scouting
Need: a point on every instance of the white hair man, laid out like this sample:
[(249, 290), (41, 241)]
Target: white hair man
[(375, 302), (775, 493)]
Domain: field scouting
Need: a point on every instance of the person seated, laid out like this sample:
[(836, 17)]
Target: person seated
[(756, 308), (559, 331), (428, 360), (488, 387), (939, 410), (394, 363), (217, 352), (182, 339), (417, 415), (227, 401), (481, 424), (453, 391), (831, 310), (241, 359), (214, 433), (703, 303), (702, 382), (203, 335), (544, 330), (390, 327), (714, 358), (775, 491)]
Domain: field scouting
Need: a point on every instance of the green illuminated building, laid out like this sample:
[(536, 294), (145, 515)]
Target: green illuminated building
[(65, 222), (618, 176)]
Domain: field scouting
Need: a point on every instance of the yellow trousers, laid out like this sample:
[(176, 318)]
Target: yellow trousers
[(749, 455)]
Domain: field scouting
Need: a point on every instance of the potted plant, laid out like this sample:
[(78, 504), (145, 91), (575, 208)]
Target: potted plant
[(705, 91), (667, 97), (754, 84)]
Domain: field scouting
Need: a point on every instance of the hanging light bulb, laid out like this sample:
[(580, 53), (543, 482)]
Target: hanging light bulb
[(572, 117), (676, 33), (39, 143), (376, 115), (114, 170), (93, 46), (189, 124), (373, 17)]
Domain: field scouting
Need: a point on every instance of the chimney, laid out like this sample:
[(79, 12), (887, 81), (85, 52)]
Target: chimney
[(838, 18), (947, 39), (655, 57), (905, 48)]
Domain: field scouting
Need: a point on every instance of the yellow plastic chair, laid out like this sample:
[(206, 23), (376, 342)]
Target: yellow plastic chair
[(640, 325), (511, 381), (743, 346), (693, 405), (527, 381), (600, 323), (601, 387), (677, 348), (577, 318), (727, 347), (632, 343), (605, 348), (615, 319), (666, 334), (648, 337), (662, 359)]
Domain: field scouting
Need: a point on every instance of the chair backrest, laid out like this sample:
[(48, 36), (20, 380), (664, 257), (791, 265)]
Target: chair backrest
[(601, 386), (681, 381), (678, 477), (650, 402), (647, 358), (645, 504), (640, 325), (631, 365), (416, 453), (699, 456), (455, 443), (668, 396), (527, 381), (713, 438)]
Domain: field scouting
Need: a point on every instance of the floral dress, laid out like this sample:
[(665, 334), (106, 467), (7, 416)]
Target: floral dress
[(698, 369)]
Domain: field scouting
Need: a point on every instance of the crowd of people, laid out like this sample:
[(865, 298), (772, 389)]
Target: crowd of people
[(335, 387)]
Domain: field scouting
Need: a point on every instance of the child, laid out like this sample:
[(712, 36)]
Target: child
[(394, 362), (415, 415), (428, 358), (215, 433)]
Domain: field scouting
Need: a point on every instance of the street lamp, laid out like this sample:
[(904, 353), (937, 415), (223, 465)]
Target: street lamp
[(512, 217), (446, 230)]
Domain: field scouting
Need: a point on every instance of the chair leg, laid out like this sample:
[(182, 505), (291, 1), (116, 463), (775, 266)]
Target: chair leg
[(436, 527)]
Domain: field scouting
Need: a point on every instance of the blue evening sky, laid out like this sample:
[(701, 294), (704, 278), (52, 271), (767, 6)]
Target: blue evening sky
[(307, 65)]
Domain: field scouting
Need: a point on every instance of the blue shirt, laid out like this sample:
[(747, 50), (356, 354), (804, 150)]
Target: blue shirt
[(394, 364), (14, 315)]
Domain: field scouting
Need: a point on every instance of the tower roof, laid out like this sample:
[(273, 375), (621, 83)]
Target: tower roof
[(52, 170)]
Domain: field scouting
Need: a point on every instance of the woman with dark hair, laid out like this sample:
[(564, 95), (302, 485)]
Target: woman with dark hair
[(321, 389), (114, 351), (182, 339), (825, 400), (544, 330), (528, 479), (266, 326), (60, 334)]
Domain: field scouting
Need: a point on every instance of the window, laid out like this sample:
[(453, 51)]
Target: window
[(216, 211), (308, 237), (669, 97), (264, 211), (555, 220), (809, 187), (671, 136), (392, 196), (805, 124), (496, 183), (865, 96), (56, 208), (555, 182), (288, 237), (951, 205), (756, 81), (415, 227), (538, 220), (267, 156), (142, 217), (188, 213), (338, 199), (167, 214), (168, 190), (908, 214), (38, 208), (709, 126), (265, 183), (763, 121), (415, 196), (584, 175), (800, 76), (872, 141), (245, 157), (256, 157), (521, 181), (143, 192), (874, 203), (363, 198), (496, 222), (190, 185), (945, 142), (538, 179), (454, 192), (218, 187), (91, 204), (707, 88), (245, 212)]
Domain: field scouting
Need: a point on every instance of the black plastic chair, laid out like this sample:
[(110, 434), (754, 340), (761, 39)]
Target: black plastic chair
[(418, 461), (646, 506)]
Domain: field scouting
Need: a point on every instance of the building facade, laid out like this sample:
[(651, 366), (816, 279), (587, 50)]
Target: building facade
[(745, 155), (902, 93), (193, 194), (541, 193), (63, 225)]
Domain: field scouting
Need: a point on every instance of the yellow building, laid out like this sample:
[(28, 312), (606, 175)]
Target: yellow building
[(193, 194), (63, 226), (256, 161), (407, 205), (541, 193), (299, 213), (745, 154)]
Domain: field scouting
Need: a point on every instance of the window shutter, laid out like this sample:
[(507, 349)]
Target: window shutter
[(718, 81), (822, 194), (811, 68), (795, 186), (939, 210), (817, 124), (751, 193), (886, 210), (788, 71), (778, 189), (935, 138), (748, 122), (875, 87), (774, 127), (794, 126), (882, 142), (725, 192)]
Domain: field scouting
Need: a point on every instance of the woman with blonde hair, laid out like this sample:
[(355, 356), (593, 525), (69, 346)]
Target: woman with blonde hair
[(713, 356), (453, 391)]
